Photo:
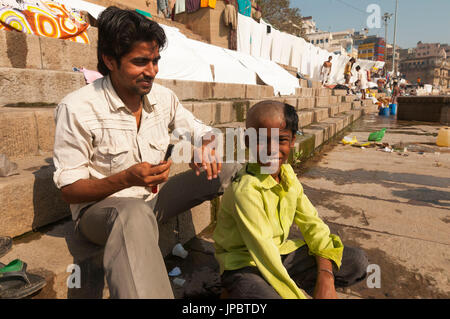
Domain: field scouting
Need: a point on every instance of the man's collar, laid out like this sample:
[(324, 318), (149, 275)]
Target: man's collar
[(115, 102)]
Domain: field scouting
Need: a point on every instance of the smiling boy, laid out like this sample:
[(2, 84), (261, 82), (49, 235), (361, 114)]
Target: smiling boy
[(256, 259)]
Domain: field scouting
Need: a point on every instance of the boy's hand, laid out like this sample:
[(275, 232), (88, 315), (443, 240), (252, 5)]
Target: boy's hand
[(324, 287), (325, 280)]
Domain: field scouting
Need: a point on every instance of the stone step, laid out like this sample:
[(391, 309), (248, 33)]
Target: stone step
[(28, 87), (328, 128), (51, 250), (30, 200)]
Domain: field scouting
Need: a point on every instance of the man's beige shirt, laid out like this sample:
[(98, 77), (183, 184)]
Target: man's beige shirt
[(97, 136)]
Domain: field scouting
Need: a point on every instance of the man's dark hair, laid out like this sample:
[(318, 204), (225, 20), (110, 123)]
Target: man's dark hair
[(352, 60), (119, 30), (358, 68), (395, 83), (291, 118)]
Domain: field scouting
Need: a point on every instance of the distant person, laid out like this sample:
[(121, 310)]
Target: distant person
[(419, 82), (325, 71), (256, 259), (362, 82), (348, 70), (395, 93)]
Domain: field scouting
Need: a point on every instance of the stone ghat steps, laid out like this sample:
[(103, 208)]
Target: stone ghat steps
[(33, 199), (30, 200), (29, 131), (30, 87)]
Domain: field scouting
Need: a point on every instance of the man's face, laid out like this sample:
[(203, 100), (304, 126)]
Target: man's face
[(137, 69)]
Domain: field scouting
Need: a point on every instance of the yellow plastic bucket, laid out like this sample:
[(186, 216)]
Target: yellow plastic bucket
[(443, 138)]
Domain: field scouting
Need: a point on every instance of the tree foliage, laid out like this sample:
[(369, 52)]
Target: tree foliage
[(284, 18)]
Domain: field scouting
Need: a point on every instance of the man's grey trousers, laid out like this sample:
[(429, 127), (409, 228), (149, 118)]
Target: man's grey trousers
[(128, 229)]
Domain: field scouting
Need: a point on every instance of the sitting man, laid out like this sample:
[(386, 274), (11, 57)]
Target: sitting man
[(256, 259), (111, 138)]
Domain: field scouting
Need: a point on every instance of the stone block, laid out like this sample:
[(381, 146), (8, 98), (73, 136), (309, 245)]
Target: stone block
[(63, 55), (321, 101), (27, 86), (305, 117), (322, 92), (225, 113), (334, 99), (19, 133), (333, 110), (205, 112), (19, 50), (30, 200), (348, 98), (45, 121), (318, 134), (356, 105), (291, 101), (339, 92), (345, 107), (320, 114), (304, 92), (305, 102)]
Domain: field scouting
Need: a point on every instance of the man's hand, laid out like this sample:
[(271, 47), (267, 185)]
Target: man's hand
[(145, 174), (207, 158)]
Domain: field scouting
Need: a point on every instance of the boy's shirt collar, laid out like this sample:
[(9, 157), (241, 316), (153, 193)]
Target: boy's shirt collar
[(287, 175)]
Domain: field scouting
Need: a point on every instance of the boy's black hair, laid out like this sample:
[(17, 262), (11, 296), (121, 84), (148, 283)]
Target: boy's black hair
[(291, 118), (119, 30), (358, 67)]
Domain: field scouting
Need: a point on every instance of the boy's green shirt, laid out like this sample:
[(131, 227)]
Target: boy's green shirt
[(254, 222)]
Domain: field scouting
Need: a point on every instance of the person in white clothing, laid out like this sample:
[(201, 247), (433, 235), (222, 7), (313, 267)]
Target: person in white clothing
[(362, 82), (325, 71)]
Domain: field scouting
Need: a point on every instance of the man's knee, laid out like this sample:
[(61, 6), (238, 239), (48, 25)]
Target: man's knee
[(136, 214)]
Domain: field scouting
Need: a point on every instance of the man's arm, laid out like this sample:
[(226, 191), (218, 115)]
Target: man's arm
[(183, 121), (72, 150), (89, 190)]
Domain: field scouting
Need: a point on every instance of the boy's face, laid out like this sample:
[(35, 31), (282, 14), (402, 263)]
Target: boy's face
[(276, 144)]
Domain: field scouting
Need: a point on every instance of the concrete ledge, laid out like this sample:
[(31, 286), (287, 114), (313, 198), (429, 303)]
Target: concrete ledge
[(27, 86)]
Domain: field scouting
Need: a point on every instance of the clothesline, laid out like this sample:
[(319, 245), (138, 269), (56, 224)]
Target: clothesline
[(262, 40)]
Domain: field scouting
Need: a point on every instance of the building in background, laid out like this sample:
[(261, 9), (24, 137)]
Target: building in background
[(388, 58), (309, 26), (335, 42), (372, 48), (430, 62)]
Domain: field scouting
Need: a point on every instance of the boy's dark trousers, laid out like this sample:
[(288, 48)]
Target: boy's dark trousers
[(248, 283)]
